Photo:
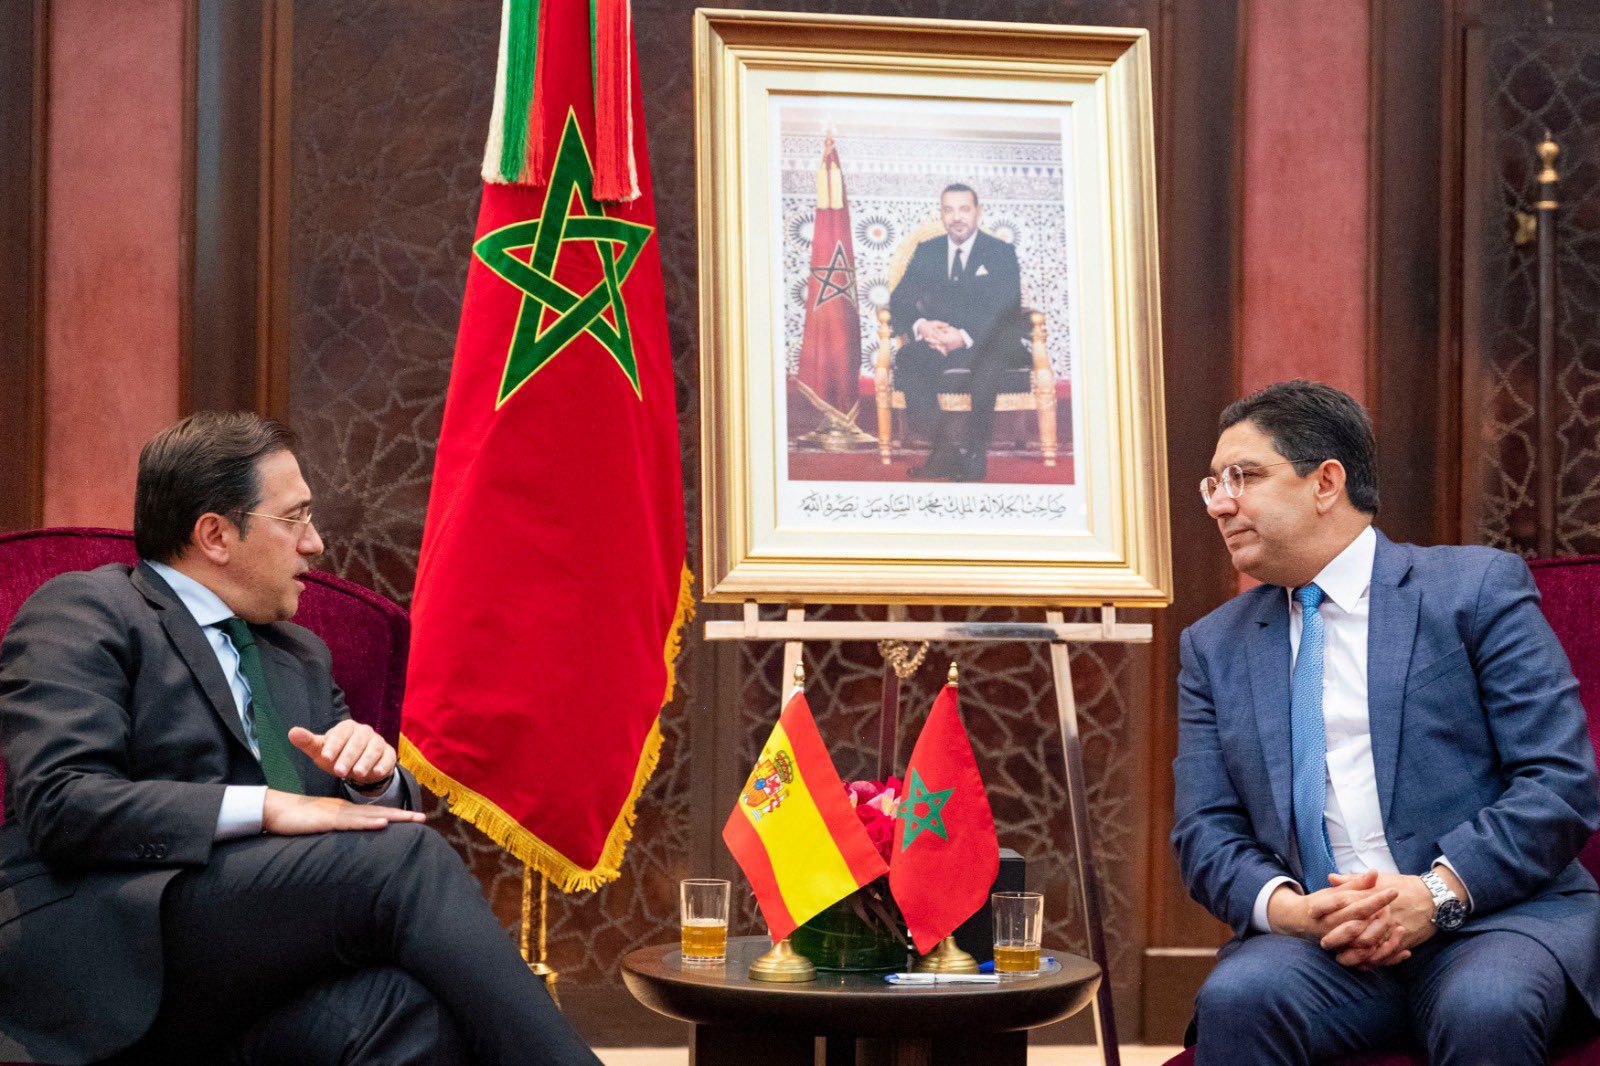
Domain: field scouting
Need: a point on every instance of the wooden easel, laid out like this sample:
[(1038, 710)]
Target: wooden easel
[(796, 629)]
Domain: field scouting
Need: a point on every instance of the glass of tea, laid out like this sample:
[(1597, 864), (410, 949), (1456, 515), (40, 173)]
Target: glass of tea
[(1018, 922), (704, 908)]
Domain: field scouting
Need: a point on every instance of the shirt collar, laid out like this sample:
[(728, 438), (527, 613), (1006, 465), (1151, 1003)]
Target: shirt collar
[(206, 606), (965, 246), (1350, 573)]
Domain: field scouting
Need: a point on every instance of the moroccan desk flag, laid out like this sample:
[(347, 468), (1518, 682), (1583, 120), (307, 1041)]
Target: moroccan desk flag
[(793, 831), (946, 855), (830, 347), (551, 587)]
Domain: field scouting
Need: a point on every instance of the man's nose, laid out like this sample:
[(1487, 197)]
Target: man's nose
[(313, 544), (1221, 504)]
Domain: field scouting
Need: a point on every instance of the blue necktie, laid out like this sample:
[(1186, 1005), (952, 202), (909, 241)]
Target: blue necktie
[(1308, 741)]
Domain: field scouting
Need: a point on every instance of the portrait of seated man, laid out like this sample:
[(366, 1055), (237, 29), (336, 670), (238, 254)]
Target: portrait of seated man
[(205, 858), (1384, 775), (958, 307)]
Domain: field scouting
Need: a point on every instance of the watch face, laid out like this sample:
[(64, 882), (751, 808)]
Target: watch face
[(1450, 914)]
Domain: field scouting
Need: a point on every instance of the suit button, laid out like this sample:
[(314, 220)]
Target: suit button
[(161, 851), (141, 851)]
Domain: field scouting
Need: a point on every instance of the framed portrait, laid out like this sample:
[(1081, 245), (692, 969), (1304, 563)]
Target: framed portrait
[(931, 355)]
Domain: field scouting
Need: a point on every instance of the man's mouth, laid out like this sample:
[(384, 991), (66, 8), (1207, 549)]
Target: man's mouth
[(1228, 538)]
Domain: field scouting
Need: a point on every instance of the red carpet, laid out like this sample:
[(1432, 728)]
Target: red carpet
[(866, 466)]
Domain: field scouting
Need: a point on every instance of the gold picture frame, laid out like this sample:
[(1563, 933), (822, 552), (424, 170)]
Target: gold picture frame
[(800, 523)]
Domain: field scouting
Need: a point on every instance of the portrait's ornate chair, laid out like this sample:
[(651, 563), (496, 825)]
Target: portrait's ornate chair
[(366, 633), (1569, 596), (1022, 389)]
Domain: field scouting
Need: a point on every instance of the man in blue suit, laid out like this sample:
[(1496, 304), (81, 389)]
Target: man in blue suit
[(1383, 775)]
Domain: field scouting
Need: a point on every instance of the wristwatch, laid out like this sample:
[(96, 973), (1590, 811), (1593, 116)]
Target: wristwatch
[(1448, 910)]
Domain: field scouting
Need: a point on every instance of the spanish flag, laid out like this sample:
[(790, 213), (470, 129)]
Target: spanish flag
[(793, 831)]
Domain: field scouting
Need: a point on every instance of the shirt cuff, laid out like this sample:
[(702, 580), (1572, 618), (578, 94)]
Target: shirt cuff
[(387, 797), (1258, 916), (1442, 861), (966, 338), (243, 808), (916, 328)]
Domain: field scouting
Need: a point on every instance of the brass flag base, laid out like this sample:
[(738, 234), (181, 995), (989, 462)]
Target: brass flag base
[(782, 965), (946, 958)]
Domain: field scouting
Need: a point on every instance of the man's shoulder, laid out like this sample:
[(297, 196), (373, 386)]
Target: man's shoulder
[(993, 245), (110, 583), (1225, 621), (1455, 566)]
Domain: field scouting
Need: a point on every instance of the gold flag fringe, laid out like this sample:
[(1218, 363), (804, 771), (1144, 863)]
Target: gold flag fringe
[(506, 831)]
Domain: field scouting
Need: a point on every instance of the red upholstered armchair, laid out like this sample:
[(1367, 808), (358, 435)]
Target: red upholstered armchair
[(366, 633), (1570, 597)]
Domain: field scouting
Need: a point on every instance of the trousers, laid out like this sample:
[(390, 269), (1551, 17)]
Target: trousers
[(1468, 999), (350, 947)]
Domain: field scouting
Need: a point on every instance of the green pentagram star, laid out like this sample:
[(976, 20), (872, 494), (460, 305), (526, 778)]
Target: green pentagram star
[(536, 341), (838, 278), (933, 821)]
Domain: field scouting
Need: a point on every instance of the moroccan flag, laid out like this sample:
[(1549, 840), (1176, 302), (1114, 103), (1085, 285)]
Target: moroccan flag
[(551, 586), (830, 348), (946, 855), (793, 831)]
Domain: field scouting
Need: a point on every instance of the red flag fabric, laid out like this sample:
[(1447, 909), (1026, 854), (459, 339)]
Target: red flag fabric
[(830, 347), (551, 586), (946, 855)]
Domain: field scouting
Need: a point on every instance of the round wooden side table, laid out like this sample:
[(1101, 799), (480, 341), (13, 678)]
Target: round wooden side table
[(861, 1019)]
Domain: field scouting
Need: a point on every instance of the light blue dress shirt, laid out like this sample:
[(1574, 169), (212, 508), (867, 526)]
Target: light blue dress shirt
[(242, 805)]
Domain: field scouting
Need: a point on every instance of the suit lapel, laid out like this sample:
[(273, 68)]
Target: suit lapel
[(287, 681), (193, 648), (1268, 642), (1391, 632)]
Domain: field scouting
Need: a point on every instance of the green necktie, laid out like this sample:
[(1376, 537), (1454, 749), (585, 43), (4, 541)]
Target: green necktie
[(277, 761)]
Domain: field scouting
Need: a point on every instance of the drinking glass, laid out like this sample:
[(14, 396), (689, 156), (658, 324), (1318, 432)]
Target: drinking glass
[(1018, 921), (704, 908)]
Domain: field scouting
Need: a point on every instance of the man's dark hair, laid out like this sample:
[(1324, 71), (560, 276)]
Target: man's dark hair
[(1310, 422), (205, 463), (957, 186)]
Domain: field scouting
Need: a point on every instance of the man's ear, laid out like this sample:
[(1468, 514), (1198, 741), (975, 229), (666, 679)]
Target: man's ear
[(212, 538), (1329, 485)]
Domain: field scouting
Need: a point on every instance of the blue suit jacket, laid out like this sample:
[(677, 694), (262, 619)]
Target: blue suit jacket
[(1479, 744)]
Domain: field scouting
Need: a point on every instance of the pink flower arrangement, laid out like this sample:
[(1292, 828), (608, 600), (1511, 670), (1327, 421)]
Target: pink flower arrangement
[(876, 803)]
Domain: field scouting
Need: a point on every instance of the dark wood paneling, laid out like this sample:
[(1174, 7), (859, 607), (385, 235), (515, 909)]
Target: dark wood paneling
[(235, 307), (1199, 115), (24, 28)]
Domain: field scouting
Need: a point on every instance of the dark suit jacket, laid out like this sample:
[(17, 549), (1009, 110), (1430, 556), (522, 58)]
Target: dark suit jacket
[(119, 734), (989, 293), (1480, 748)]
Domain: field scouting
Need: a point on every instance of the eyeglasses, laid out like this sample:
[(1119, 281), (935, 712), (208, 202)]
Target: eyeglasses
[(303, 523), (1233, 478)]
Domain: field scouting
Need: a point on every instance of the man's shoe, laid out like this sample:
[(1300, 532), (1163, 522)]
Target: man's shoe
[(970, 466), (943, 464)]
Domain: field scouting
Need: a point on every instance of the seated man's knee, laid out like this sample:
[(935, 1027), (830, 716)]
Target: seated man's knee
[(1255, 982), (1500, 1010)]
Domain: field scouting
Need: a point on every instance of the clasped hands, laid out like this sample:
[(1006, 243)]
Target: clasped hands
[(352, 752), (942, 336), (1367, 920)]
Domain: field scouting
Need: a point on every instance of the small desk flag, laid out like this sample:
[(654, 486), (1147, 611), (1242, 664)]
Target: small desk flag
[(793, 831)]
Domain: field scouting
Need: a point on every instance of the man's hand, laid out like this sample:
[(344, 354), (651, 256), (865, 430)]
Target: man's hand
[(1357, 905), (286, 814), (350, 751), (947, 338), (1411, 913)]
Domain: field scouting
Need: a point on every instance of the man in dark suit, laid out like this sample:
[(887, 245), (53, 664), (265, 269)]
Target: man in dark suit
[(958, 308), (206, 858), (1383, 777)]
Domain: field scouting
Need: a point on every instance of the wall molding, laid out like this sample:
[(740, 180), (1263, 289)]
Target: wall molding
[(24, 96)]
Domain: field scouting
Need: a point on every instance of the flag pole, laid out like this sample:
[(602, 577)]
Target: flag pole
[(784, 965), (541, 968)]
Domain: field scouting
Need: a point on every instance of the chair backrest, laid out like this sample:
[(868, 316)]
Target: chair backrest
[(1569, 592), (366, 633)]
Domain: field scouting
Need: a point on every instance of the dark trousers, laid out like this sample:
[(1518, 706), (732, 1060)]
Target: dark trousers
[(1486, 999), (922, 373), (355, 947)]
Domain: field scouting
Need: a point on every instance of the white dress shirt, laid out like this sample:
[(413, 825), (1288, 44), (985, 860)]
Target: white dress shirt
[(242, 805), (951, 248), (1353, 816)]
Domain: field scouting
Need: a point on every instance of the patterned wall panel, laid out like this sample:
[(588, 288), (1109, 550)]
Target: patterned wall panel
[(1547, 80), (390, 101)]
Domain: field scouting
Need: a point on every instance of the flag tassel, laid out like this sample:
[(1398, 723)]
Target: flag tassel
[(528, 849), (616, 175)]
